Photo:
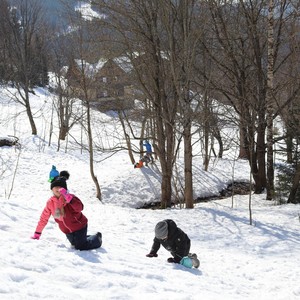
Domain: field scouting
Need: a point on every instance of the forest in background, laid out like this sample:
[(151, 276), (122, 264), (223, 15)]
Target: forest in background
[(197, 67)]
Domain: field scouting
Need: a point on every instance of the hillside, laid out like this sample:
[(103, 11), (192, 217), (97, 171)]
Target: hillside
[(238, 261)]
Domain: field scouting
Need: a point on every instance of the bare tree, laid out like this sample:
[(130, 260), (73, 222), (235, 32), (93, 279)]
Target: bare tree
[(182, 35), (137, 26), (5, 36), (241, 41), (83, 89), (26, 42)]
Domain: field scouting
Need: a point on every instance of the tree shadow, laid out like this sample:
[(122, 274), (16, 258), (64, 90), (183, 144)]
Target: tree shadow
[(92, 256), (272, 230)]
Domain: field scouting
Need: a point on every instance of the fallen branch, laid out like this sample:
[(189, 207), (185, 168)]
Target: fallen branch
[(9, 141)]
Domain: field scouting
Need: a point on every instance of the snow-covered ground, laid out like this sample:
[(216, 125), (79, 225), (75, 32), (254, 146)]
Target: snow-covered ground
[(238, 260)]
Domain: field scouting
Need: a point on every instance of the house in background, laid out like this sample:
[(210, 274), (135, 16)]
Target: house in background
[(108, 83), (113, 85)]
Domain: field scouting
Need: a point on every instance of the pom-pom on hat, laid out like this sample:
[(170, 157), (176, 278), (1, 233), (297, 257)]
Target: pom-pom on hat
[(64, 174), (59, 181), (161, 230)]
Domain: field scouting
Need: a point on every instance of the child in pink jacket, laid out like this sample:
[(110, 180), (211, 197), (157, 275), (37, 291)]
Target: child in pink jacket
[(66, 210)]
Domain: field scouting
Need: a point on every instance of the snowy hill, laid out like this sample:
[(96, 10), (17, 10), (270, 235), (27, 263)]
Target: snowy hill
[(238, 261)]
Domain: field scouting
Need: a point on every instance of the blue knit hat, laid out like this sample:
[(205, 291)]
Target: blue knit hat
[(53, 173)]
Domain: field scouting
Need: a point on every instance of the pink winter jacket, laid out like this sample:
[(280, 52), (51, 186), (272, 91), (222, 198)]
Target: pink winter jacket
[(68, 215)]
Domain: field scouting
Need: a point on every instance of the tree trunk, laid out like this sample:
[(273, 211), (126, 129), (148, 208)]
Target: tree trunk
[(269, 101), (295, 186), (127, 137), (244, 144), (166, 189), (91, 151), (260, 178), (28, 110), (31, 120), (188, 174), (218, 137), (206, 132)]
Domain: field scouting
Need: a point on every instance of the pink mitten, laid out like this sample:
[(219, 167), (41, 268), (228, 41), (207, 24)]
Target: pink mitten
[(36, 236), (68, 197)]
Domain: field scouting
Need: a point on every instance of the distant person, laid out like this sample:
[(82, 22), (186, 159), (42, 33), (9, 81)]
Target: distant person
[(145, 159), (66, 210), (148, 150), (138, 164), (173, 239)]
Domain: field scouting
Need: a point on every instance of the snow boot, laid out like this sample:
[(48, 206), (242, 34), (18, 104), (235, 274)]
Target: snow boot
[(99, 236), (195, 260)]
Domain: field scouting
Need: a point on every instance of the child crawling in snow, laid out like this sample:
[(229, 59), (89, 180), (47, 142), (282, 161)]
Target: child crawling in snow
[(173, 239)]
